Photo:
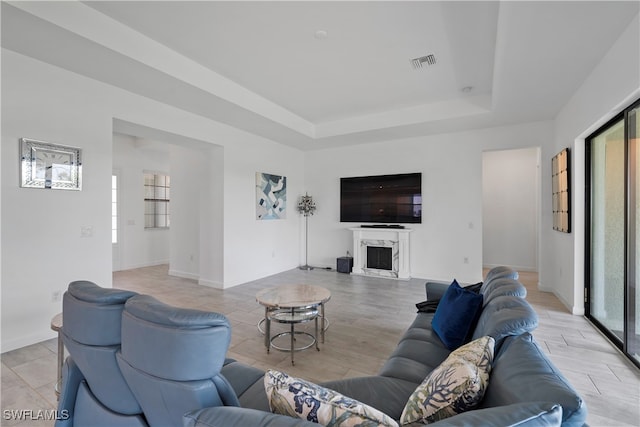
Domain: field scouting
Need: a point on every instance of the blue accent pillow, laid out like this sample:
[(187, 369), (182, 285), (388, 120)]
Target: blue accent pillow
[(456, 315)]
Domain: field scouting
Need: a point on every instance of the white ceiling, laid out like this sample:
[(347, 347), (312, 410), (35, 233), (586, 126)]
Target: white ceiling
[(259, 66)]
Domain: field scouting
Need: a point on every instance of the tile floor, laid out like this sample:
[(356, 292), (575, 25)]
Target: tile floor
[(367, 318)]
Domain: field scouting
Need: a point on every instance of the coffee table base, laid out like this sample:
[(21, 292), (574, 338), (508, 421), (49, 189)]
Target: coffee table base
[(313, 342), (291, 317)]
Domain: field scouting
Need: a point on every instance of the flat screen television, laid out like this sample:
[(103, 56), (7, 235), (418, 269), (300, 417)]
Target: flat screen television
[(382, 199)]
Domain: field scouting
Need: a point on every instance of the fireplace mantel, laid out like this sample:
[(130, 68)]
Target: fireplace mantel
[(395, 238)]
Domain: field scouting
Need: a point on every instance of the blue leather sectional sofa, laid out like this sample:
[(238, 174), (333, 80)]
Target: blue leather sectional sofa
[(169, 368)]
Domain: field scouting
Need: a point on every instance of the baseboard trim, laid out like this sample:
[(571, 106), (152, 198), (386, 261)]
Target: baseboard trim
[(211, 284), (204, 282), (183, 274), (26, 340), (143, 265), (514, 267), (575, 310)]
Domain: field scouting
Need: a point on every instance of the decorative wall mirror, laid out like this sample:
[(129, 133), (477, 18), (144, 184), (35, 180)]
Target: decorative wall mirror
[(50, 166)]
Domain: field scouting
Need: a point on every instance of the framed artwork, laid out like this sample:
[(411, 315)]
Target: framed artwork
[(560, 192), (50, 166), (271, 196)]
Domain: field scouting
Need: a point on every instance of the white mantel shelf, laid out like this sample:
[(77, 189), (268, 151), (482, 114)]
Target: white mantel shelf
[(395, 238)]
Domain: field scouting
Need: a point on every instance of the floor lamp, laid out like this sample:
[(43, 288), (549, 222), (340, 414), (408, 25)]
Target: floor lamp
[(306, 207)]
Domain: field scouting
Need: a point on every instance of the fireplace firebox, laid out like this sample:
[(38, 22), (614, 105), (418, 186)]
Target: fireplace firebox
[(380, 258)]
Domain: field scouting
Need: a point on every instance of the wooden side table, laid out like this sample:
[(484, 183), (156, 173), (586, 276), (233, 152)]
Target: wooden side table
[(56, 325)]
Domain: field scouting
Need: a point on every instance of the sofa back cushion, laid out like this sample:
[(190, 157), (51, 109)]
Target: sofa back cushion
[(523, 373), (503, 286), (174, 343), (91, 333), (501, 271), (92, 314), (504, 316)]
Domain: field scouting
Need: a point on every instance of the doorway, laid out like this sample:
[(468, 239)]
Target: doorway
[(511, 208)]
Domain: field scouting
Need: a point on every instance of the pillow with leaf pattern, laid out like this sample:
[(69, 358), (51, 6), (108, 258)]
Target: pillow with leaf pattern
[(456, 385), (299, 398)]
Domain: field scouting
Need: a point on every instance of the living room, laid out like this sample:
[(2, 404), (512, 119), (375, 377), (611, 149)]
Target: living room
[(45, 96)]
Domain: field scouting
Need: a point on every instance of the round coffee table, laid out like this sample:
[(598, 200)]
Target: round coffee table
[(293, 304)]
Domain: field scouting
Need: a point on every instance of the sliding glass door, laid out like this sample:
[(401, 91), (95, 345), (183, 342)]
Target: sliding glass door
[(633, 320), (613, 229)]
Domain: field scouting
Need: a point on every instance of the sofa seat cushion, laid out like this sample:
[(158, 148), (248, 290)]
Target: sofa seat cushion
[(299, 398), (228, 416), (529, 414), (413, 359), (457, 385), (456, 315), (388, 395), (241, 377), (523, 373), (255, 397)]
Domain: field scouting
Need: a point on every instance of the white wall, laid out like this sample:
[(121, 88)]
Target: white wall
[(42, 250), (612, 85), (138, 247), (211, 256), (451, 167), (197, 177), (510, 208), (256, 248)]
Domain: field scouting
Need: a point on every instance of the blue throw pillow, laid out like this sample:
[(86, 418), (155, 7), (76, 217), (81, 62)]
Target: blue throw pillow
[(456, 315)]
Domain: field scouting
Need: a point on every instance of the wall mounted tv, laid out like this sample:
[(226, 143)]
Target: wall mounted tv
[(382, 199)]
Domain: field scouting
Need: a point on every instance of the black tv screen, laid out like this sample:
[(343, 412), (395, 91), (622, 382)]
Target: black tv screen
[(382, 198)]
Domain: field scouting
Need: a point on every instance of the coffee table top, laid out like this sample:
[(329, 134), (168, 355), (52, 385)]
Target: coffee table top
[(293, 296)]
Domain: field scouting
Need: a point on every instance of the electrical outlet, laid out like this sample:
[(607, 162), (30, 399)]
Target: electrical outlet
[(86, 231), (56, 296)]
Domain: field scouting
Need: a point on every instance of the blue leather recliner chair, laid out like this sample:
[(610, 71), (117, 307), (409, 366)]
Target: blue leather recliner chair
[(134, 361), (171, 358), (94, 392)]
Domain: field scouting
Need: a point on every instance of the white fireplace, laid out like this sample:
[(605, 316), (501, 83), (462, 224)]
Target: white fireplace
[(381, 252)]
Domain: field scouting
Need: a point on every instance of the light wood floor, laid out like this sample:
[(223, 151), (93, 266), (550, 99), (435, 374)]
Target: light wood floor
[(367, 317)]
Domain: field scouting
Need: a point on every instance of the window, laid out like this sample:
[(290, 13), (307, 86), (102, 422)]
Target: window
[(156, 200), (114, 209)]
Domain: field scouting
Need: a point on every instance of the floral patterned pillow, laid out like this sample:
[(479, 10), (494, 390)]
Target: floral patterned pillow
[(299, 398), (457, 385)]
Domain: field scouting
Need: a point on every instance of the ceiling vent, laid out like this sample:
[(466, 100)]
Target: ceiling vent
[(419, 62)]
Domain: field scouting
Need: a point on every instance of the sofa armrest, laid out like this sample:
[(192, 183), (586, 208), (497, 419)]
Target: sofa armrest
[(225, 416), (435, 290), (526, 414)]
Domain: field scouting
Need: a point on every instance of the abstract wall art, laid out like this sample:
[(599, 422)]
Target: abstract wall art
[(271, 196)]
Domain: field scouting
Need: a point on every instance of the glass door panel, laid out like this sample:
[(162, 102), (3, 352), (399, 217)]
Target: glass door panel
[(608, 229), (633, 321)]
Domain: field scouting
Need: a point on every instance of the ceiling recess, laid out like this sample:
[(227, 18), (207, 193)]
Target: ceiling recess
[(418, 63)]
